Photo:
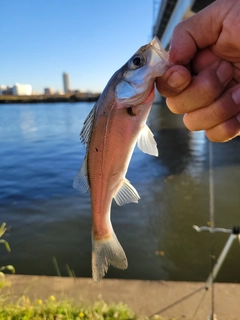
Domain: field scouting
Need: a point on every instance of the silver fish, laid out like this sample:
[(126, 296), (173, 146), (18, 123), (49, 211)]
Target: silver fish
[(110, 132)]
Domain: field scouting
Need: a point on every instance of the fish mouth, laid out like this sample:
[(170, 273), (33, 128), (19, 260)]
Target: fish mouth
[(159, 50), (157, 46), (150, 96), (156, 42)]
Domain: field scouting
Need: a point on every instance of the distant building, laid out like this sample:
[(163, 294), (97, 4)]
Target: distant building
[(66, 83), (3, 89), (22, 90), (6, 90), (59, 92), (48, 91)]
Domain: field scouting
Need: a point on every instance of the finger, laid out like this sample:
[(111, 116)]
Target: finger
[(218, 112), (231, 84), (204, 89), (203, 59), (176, 79), (225, 131), (236, 72), (199, 31)]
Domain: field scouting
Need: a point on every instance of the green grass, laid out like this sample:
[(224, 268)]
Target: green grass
[(52, 309), (2, 231), (3, 282)]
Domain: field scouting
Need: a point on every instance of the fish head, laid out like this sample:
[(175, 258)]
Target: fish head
[(148, 63)]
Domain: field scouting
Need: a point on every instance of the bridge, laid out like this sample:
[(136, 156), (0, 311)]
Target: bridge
[(171, 12)]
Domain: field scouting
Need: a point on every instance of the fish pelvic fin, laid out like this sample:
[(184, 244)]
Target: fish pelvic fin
[(107, 252)]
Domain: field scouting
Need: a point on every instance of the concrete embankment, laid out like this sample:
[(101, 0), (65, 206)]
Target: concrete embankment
[(178, 300)]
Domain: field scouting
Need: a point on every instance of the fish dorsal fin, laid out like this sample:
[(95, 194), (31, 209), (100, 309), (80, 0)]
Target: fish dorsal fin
[(126, 193), (146, 142), (87, 127), (80, 182)]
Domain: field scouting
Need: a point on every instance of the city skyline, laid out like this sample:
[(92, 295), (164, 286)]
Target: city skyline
[(50, 90), (19, 89), (38, 44)]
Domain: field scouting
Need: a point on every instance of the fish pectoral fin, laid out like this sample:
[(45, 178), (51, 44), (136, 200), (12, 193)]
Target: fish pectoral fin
[(80, 182), (126, 193), (146, 142), (87, 127)]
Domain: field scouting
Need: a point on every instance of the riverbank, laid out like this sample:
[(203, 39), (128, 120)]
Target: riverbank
[(178, 300), (81, 97)]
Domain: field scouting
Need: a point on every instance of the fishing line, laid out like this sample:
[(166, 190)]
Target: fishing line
[(212, 230), (199, 304), (176, 302), (211, 186), (212, 221), (212, 225)]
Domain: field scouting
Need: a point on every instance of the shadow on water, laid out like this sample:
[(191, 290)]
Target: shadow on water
[(40, 154)]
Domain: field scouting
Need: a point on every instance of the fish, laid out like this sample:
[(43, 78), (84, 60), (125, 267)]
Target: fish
[(110, 133)]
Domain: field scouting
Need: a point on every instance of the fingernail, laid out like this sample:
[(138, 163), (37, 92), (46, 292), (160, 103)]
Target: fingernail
[(224, 72), (176, 80), (236, 96)]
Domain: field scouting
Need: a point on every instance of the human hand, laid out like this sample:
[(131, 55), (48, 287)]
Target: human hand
[(204, 83)]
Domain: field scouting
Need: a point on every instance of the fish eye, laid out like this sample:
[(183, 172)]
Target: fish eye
[(137, 62)]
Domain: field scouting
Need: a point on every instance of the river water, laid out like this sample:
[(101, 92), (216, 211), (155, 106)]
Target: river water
[(40, 153)]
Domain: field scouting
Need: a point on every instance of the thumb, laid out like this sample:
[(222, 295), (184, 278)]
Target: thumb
[(174, 81)]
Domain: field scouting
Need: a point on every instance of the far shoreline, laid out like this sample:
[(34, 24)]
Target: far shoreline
[(82, 97)]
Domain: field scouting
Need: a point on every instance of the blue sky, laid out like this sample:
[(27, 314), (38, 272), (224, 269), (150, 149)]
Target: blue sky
[(88, 39)]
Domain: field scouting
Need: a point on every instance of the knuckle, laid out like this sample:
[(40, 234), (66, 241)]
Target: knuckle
[(210, 90), (224, 108)]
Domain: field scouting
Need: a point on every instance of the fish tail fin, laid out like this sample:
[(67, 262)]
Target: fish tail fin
[(107, 252)]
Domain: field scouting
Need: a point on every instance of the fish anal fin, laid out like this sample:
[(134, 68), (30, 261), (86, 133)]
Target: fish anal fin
[(146, 142), (126, 193), (107, 252), (80, 182)]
